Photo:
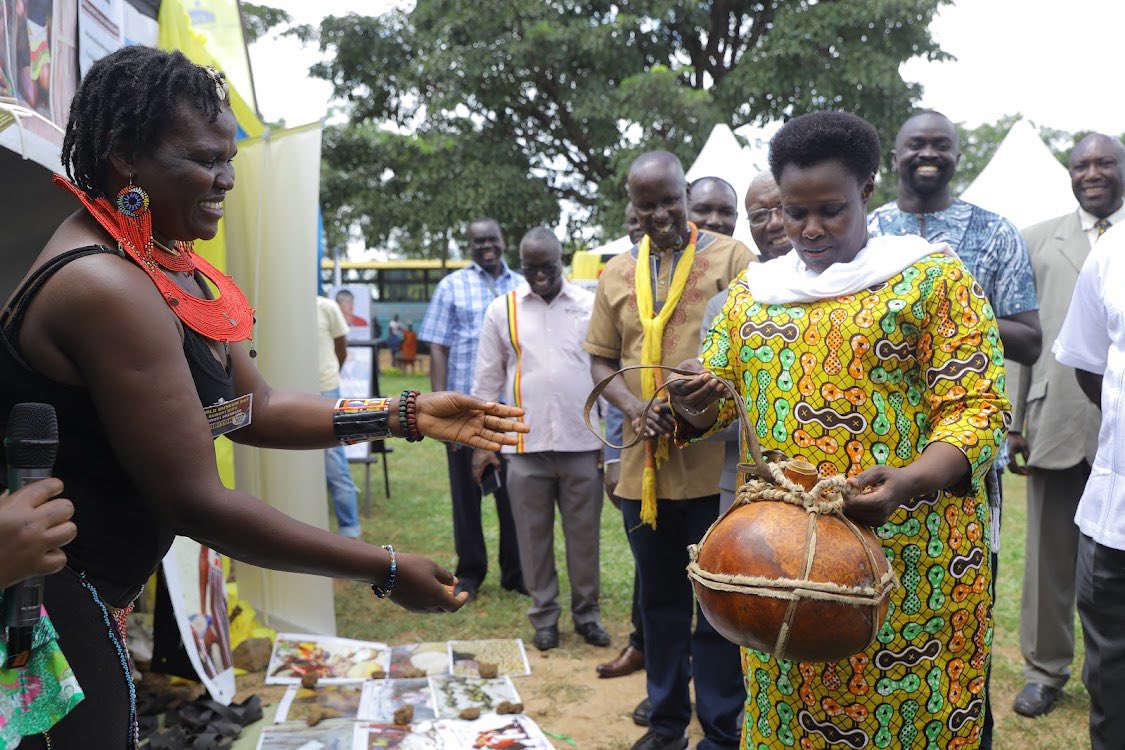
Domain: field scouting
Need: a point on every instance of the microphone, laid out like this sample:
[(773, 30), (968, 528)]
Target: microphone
[(30, 447)]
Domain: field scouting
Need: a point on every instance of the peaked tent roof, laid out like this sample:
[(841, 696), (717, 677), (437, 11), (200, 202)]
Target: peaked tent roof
[(723, 155), (1023, 181)]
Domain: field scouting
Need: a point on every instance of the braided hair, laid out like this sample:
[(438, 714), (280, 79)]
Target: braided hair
[(126, 103)]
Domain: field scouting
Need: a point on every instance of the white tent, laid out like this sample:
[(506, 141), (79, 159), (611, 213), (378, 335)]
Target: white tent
[(1023, 181)]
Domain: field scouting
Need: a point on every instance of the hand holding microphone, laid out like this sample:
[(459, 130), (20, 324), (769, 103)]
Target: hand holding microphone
[(29, 450), (34, 524)]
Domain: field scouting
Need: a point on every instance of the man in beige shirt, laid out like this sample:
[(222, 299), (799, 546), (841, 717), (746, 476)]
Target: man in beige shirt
[(687, 479)]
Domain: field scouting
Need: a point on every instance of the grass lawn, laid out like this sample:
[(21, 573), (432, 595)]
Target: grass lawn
[(417, 518)]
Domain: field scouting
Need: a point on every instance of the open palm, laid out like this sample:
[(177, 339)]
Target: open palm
[(459, 418)]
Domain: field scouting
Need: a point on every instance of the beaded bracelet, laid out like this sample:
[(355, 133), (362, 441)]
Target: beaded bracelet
[(384, 592), (408, 416), (357, 420)]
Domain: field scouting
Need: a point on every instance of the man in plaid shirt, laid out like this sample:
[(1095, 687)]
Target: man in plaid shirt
[(452, 327)]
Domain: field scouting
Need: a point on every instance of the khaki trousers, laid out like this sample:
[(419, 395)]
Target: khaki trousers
[(536, 483), (1047, 610)]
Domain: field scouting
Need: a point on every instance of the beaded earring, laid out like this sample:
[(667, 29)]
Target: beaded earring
[(132, 200)]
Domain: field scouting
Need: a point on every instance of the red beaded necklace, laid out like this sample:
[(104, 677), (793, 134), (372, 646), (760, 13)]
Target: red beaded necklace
[(225, 318)]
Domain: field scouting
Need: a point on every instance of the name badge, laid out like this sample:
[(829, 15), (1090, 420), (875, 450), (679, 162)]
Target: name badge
[(228, 416)]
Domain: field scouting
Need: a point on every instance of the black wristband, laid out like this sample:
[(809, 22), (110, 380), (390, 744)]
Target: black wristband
[(357, 420)]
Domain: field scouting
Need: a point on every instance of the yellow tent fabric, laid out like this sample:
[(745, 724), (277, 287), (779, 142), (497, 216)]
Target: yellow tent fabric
[(221, 23), (176, 32)]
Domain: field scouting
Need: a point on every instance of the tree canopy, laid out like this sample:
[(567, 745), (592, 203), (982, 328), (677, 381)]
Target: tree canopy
[(457, 108)]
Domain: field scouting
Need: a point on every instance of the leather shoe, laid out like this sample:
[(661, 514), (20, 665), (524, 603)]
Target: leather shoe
[(642, 713), (468, 586), (1036, 700), (546, 638), (593, 633), (655, 741), (631, 659)]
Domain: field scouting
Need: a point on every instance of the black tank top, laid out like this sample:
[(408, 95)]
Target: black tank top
[(120, 540)]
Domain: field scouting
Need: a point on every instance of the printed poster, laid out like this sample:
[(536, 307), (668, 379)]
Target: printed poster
[(39, 61), (330, 659), (355, 376), (198, 591), (334, 734)]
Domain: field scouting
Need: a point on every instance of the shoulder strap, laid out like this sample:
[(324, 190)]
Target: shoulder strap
[(11, 318)]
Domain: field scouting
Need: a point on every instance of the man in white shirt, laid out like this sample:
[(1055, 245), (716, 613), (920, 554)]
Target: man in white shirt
[(332, 350), (531, 354), (1092, 340)]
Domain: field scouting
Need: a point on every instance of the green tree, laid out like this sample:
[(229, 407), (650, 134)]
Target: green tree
[(556, 97), (257, 20)]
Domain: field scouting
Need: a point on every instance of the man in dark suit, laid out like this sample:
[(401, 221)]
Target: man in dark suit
[(1055, 427)]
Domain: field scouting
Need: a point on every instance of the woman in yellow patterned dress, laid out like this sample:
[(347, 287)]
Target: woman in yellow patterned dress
[(878, 358)]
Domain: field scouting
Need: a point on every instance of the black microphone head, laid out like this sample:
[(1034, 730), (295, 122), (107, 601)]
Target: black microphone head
[(33, 436)]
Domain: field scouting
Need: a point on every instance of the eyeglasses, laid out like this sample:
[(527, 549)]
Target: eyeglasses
[(762, 216), (547, 269)]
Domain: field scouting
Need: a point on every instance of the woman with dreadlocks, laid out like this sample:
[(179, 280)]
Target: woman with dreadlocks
[(116, 322)]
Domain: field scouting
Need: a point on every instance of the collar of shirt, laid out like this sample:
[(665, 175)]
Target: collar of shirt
[(1088, 220), (489, 278)]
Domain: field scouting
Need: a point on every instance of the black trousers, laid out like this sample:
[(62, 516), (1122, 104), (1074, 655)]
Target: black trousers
[(1100, 590), (637, 637), (468, 536), (102, 719)]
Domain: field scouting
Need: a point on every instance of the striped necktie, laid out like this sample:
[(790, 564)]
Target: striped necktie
[(1101, 225)]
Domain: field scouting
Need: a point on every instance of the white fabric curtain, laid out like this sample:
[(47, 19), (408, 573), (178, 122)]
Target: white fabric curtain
[(271, 223)]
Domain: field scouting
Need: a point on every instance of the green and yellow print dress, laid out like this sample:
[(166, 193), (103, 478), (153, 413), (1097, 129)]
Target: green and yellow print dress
[(847, 383)]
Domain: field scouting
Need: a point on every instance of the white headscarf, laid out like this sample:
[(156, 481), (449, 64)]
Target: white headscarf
[(787, 279)]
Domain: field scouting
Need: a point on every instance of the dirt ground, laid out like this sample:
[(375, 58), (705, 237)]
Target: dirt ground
[(563, 695)]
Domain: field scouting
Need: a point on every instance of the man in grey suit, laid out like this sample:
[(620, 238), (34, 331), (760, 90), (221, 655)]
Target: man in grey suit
[(1055, 427), (763, 207)]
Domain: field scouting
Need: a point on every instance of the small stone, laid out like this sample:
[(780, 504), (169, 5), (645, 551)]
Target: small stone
[(404, 715), (320, 713), (413, 673), (469, 714), (506, 707), (378, 674), (487, 671), (253, 654), (308, 682)]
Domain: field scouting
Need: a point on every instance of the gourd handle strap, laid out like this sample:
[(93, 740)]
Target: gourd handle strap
[(747, 439)]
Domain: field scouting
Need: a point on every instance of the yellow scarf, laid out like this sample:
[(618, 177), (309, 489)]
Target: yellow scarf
[(652, 324)]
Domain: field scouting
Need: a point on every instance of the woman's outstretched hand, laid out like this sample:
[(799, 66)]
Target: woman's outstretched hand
[(459, 418), (425, 586)]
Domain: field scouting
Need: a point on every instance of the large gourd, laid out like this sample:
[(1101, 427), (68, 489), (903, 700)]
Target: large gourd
[(792, 577)]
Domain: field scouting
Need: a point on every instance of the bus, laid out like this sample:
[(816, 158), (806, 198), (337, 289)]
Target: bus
[(398, 287)]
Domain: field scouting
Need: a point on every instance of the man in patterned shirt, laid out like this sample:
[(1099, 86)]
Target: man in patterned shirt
[(452, 327), (926, 153)]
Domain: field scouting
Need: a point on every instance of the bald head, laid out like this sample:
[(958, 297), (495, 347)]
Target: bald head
[(541, 262), (1097, 174), (658, 193), (655, 162)]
